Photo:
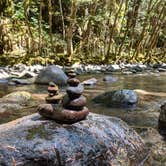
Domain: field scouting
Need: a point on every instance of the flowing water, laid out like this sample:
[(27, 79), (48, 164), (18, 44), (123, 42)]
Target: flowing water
[(143, 118), (155, 83)]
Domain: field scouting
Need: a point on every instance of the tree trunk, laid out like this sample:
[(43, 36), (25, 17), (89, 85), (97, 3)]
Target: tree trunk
[(69, 35)]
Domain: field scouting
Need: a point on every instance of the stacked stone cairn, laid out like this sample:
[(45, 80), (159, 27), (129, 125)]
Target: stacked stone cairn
[(69, 110), (74, 100), (53, 94)]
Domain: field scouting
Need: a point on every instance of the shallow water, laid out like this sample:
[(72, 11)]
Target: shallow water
[(153, 82), (143, 118)]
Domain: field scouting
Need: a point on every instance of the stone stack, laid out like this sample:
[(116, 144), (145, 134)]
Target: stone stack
[(53, 94), (74, 100), (72, 108), (70, 72)]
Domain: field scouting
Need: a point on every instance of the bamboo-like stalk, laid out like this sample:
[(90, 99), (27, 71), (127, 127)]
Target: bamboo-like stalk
[(118, 49), (29, 45), (87, 29), (152, 40), (141, 36), (50, 22), (40, 27), (112, 31), (69, 31), (62, 17), (136, 7)]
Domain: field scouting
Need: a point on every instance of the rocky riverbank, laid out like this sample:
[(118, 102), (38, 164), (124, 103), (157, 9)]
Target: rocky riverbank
[(25, 75)]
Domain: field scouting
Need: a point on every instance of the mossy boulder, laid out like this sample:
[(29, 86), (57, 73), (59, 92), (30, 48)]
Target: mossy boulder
[(20, 97), (98, 140)]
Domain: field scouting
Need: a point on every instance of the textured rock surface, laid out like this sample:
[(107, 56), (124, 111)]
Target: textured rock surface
[(162, 120), (20, 97), (52, 73), (117, 98), (75, 92), (99, 140), (62, 115)]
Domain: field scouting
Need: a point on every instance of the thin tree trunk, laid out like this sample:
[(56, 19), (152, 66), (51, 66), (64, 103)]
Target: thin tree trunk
[(69, 32), (62, 17), (111, 33), (123, 19), (30, 46), (137, 49), (40, 27), (50, 21), (137, 4), (153, 37)]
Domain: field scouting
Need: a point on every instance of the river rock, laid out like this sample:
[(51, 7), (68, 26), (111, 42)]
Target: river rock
[(109, 78), (3, 74), (24, 74), (113, 68), (91, 81), (54, 99), (75, 92), (62, 115), (52, 73), (8, 107), (76, 104), (22, 81), (73, 82), (162, 119), (20, 97), (161, 70), (118, 98), (3, 82), (99, 140)]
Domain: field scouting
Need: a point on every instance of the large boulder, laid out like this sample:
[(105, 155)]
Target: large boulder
[(52, 73), (162, 119), (118, 98), (16, 104), (99, 140), (8, 107)]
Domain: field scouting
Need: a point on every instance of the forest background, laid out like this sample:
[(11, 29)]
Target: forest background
[(86, 31)]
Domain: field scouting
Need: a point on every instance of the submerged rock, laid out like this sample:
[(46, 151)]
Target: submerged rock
[(52, 73), (119, 98), (8, 107), (16, 104), (109, 78), (99, 140), (3, 81), (20, 97), (91, 81)]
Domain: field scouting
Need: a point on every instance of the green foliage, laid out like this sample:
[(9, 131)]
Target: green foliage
[(101, 31), (19, 11)]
